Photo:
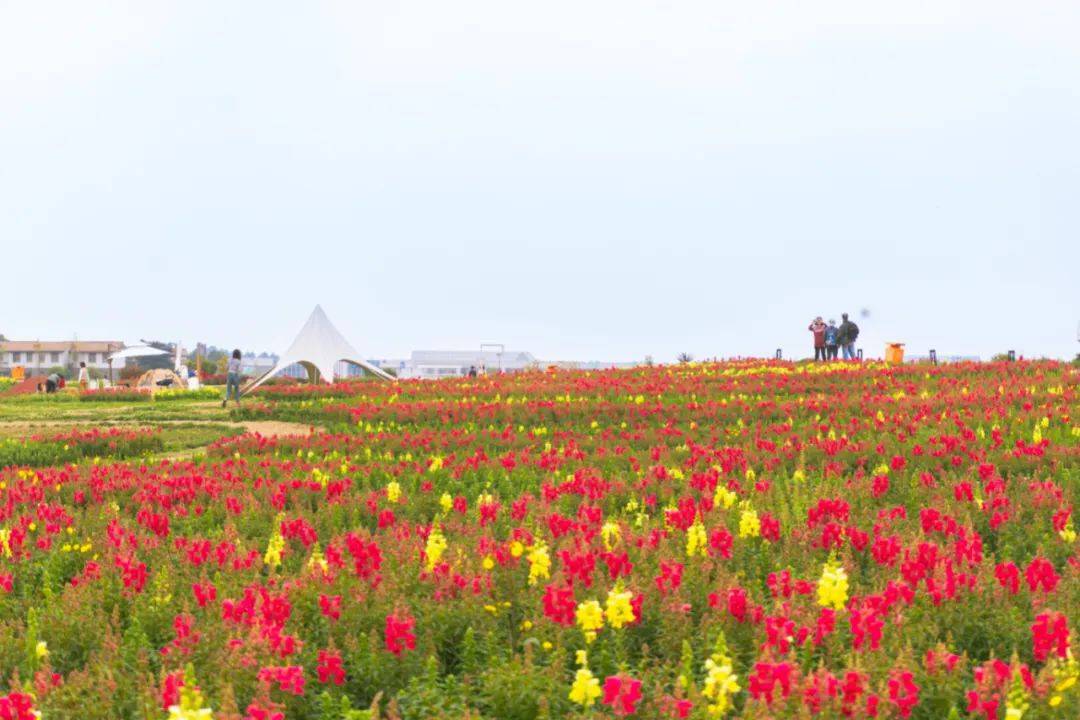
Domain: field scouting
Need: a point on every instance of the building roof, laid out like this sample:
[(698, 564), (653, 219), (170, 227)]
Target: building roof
[(510, 358), (60, 346)]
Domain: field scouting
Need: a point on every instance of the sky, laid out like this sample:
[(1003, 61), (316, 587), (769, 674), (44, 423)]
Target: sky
[(598, 180)]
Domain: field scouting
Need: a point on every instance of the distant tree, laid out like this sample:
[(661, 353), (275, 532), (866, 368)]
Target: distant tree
[(685, 357), (649, 361)]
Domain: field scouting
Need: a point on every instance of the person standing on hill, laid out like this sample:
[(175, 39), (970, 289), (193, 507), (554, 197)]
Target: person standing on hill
[(232, 378), (832, 342), (818, 328), (849, 333)]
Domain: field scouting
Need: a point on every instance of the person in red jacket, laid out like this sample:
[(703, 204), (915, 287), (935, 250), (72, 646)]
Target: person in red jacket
[(818, 328)]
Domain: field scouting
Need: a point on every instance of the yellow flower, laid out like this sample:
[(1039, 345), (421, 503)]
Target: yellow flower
[(696, 540), (619, 611), (317, 560), (749, 524), (435, 547), (720, 684), (489, 562), (586, 688), (1068, 533), (724, 497), (274, 547), (516, 549), (393, 491), (191, 700), (436, 464), (833, 586), (610, 534), (1066, 673), (446, 502), (539, 563), (590, 618), (41, 650)]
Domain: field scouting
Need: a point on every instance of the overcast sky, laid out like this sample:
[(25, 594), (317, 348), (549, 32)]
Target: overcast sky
[(584, 180)]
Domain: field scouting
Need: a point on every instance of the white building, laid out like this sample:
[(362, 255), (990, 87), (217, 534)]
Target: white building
[(254, 365), (434, 364), (36, 356)]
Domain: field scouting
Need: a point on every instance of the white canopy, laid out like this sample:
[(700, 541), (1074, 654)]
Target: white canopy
[(136, 351), (318, 347)]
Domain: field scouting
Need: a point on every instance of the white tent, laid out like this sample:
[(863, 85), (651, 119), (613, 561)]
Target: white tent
[(318, 347), (136, 351)]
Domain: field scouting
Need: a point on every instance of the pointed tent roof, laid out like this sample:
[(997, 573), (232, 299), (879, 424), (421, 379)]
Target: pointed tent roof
[(319, 345)]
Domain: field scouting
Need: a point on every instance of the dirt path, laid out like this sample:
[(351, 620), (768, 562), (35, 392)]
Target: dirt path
[(273, 428), (265, 428)]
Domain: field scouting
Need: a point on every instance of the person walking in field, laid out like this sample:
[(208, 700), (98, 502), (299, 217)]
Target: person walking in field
[(832, 342), (818, 328), (84, 377), (849, 333), (232, 379)]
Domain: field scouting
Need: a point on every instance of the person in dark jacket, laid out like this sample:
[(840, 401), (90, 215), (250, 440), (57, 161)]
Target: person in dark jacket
[(832, 340), (849, 333), (818, 328)]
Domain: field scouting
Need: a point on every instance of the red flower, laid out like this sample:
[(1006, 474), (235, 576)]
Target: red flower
[(17, 706), (766, 677), (399, 635), (170, 689), (622, 693), (330, 605), (204, 593), (721, 542), (903, 692), (1041, 573), (289, 679), (559, 604), (330, 668), (258, 712), (1050, 634), (1008, 576)]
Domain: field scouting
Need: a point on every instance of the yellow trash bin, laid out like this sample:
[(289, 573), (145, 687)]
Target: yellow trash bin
[(894, 353)]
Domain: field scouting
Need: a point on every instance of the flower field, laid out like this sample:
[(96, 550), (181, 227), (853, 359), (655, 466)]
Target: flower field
[(743, 540)]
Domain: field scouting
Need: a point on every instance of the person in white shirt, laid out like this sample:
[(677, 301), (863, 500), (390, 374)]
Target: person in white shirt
[(84, 377)]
